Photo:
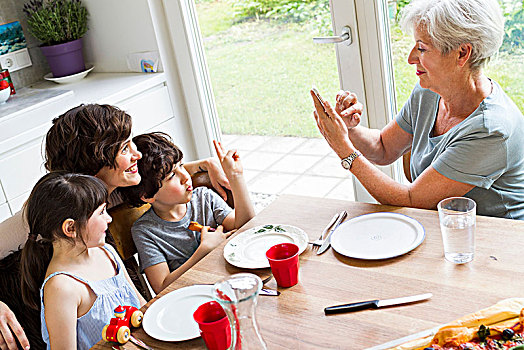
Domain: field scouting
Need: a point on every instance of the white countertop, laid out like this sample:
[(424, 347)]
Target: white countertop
[(107, 88), (27, 116), (27, 99)]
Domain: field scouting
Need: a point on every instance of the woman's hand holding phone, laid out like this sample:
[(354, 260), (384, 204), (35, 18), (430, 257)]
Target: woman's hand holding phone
[(331, 125), (319, 99)]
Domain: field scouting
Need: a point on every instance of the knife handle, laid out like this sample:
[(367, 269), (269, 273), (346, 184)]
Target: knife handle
[(337, 309)]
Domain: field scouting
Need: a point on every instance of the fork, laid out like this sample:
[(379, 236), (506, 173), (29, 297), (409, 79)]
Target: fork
[(321, 239)]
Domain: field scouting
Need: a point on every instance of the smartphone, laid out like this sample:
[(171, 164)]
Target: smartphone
[(319, 98)]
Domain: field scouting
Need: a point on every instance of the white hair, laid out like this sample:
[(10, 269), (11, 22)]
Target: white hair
[(451, 23)]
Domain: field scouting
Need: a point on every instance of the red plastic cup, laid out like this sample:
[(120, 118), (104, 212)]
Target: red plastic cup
[(214, 325), (283, 259)]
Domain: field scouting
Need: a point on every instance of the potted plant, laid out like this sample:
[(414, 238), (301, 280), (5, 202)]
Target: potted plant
[(60, 26)]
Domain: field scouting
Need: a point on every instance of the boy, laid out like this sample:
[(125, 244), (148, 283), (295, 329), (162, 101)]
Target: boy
[(166, 246)]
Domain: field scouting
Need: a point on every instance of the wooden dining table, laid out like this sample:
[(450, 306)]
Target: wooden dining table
[(296, 319)]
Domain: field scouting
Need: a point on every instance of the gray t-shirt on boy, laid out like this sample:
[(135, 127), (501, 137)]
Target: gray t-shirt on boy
[(160, 241), (485, 150)]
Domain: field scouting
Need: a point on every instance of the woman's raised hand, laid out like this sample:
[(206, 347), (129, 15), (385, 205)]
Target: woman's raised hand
[(349, 108), (230, 160), (332, 127)]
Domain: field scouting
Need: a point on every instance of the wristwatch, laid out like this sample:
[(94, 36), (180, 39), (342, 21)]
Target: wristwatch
[(348, 161)]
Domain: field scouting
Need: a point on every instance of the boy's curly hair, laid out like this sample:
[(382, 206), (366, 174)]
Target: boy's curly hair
[(159, 156)]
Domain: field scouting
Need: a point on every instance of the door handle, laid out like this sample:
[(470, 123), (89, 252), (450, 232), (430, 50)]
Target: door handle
[(344, 37)]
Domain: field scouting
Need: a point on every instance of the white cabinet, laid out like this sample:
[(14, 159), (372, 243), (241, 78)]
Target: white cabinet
[(17, 203), (4, 212), (148, 109), (144, 96), (21, 168), (2, 195)]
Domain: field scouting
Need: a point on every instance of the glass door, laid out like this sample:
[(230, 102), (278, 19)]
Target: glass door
[(365, 67), (262, 63)]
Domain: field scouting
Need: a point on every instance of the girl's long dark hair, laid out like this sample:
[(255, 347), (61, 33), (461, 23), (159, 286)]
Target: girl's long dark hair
[(56, 197)]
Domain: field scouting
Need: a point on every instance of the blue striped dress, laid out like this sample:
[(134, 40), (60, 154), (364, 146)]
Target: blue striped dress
[(109, 292)]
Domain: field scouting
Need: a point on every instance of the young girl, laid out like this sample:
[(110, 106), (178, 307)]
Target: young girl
[(67, 268)]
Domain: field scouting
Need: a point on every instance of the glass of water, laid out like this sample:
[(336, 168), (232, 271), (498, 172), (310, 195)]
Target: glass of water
[(457, 222)]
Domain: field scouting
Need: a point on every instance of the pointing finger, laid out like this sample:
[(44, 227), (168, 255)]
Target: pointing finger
[(218, 149)]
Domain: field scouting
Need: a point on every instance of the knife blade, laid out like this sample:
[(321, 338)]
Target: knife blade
[(330, 225), (327, 241), (375, 304)]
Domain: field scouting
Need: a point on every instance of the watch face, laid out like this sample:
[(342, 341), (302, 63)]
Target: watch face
[(346, 164)]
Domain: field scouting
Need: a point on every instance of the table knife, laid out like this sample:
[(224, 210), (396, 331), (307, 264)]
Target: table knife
[(374, 304), (330, 225), (327, 241)]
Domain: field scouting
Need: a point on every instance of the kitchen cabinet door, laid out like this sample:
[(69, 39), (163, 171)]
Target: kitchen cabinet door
[(21, 169)]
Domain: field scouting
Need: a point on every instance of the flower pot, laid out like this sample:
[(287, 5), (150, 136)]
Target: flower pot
[(65, 59)]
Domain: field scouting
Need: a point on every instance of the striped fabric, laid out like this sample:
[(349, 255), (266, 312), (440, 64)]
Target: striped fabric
[(110, 293)]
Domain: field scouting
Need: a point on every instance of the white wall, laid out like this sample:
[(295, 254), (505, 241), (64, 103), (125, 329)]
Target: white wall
[(120, 27), (117, 28)]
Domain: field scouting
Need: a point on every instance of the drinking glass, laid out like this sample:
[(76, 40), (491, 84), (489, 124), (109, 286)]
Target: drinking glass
[(457, 222)]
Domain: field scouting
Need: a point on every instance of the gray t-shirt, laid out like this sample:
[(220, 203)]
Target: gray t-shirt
[(485, 150), (158, 240)]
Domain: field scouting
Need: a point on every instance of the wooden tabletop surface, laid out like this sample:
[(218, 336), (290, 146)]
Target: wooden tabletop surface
[(296, 320)]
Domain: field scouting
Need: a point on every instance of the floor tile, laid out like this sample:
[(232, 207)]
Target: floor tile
[(314, 186), (271, 183), (248, 142), (281, 144), (344, 190), (317, 147), (295, 163), (290, 165), (261, 200), (257, 160), (329, 166)]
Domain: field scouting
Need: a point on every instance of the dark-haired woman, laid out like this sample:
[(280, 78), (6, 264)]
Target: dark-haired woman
[(88, 139)]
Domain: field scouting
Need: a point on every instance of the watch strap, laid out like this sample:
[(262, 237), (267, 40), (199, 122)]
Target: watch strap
[(347, 162)]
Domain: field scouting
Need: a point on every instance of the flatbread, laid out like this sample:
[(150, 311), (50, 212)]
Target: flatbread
[(502, 315)]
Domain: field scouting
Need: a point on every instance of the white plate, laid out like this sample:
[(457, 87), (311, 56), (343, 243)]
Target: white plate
[(170, 318), (69, 78), (377, 236), (248, 249)]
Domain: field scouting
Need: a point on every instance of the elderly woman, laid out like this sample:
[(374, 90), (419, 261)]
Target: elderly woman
[(465, 134), (88, 139)]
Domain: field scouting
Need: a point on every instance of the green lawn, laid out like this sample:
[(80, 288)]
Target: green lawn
[(261, 72), (262, 83)]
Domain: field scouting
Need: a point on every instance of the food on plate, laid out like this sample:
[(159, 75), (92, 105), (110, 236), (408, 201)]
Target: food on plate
[(497, 327)]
